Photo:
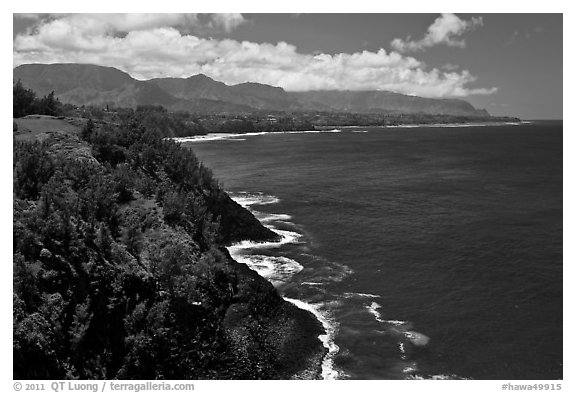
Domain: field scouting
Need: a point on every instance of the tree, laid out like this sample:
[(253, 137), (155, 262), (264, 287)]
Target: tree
[(23, 99), (87, 130), (48, 105), (33, 167)]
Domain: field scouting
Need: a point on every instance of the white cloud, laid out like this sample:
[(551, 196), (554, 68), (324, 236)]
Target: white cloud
[(101, 23), (228, 22), (446, 30), (155, 47)]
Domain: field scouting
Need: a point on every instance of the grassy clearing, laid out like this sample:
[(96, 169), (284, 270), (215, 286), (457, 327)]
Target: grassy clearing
[(39, 127)]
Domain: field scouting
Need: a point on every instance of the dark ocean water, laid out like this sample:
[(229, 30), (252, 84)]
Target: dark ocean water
[(427, 252)]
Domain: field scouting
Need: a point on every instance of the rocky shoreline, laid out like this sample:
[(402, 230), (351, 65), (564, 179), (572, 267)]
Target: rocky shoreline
[(283, 334)]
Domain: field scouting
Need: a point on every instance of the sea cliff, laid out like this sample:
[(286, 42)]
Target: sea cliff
[(121, 270)]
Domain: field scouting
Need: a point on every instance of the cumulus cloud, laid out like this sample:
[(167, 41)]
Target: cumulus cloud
[(446, 30), (157, 48)]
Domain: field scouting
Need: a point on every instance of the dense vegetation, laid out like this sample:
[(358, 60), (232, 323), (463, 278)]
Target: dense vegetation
[(26, 102), (187, 124), (395, 119), (119, 269), (178, 124)]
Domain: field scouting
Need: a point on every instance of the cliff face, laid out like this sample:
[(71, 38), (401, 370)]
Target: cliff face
[(237, 223), (84, 84), (120, 270)]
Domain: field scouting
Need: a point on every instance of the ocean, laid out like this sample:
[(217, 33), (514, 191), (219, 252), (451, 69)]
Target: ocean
[(426, 252)]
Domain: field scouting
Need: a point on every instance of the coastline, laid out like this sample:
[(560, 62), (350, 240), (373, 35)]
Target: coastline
[(336, 129), (238, 136), (436, 125), (290, 333), (302, 334)]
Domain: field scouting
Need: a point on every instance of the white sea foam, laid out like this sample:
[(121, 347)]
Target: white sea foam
[(437, 377), (409, 370), (373, 309), (277, 270), (268, 217), (367, 295), (207, 138), (360, 294), (286, 237), (417, 338), (240, 137), (330, 326), (402, 348), (395, 322), (247, 199), (309, 132)]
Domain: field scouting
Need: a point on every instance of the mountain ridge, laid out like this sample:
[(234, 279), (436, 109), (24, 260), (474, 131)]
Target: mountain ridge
[(88, 84)]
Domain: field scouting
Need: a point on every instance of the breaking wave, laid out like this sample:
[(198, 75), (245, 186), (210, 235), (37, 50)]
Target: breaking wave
[(328, 370), (241, 137), (277, 270), (280, 270)]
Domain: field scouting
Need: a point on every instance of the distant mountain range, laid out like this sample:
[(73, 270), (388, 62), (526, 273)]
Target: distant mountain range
[(86, 84)]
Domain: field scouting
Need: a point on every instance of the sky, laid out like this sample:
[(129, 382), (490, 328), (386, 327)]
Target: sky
[(509, 64)]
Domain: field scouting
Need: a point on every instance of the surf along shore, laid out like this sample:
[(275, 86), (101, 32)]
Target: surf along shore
[(279, 270)]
